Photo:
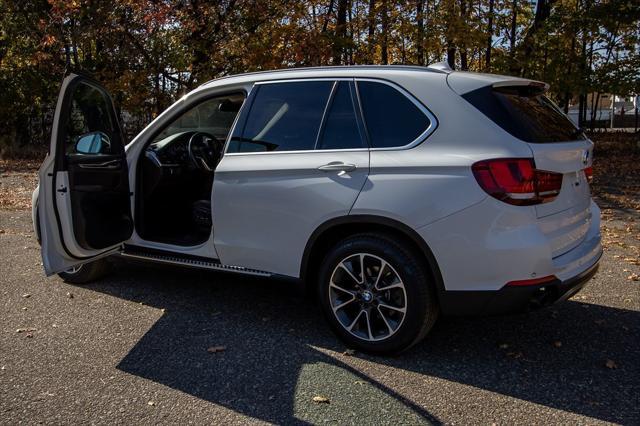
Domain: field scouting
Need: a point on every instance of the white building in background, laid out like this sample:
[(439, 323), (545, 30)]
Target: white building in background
[(604, 106)]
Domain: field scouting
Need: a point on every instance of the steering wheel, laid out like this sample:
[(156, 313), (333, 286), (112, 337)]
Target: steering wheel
[(204, 151)]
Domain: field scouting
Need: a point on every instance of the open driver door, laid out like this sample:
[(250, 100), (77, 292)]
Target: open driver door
[(84, 208)]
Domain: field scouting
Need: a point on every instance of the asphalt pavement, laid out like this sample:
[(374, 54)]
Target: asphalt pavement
[(151, 344)]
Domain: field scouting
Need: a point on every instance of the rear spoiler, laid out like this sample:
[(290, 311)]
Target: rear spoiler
[(463, 82), (521, 86)]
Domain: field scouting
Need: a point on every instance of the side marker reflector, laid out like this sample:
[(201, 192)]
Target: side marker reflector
[(534, 281)]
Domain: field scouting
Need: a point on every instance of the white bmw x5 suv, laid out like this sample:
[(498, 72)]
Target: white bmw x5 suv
[(395, 193)]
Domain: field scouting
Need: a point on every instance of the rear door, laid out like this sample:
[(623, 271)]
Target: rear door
[(297, 158), (83, 203)]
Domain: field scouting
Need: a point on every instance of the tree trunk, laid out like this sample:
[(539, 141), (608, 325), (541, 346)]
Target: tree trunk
[(372, 29), (384, 44), (594, 110), (326, 17), (451, 56), (514, 28), (513, 34), (420, 32), (543, 11), (487, 58), (341, 33)]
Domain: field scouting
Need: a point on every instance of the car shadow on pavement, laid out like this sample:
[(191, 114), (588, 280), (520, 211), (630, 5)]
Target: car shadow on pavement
[(279, 353)]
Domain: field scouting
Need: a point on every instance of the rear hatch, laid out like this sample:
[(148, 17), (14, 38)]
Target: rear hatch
[(521, 108)]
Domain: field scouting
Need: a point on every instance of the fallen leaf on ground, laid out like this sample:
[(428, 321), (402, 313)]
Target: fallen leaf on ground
[(557, 344), (634, 277), (216, 349), (321, 399), (611, 364)]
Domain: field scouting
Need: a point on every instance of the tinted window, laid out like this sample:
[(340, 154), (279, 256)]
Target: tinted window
[(341, 128), (392, 119), (525, 113), (90, 113), (284, 117)]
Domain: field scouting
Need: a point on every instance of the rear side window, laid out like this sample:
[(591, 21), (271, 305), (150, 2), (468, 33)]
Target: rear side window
[(392, 120), (284, 117), (341, 126), (525, 113)]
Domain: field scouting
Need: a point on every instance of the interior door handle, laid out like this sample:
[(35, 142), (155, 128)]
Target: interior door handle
[(337, 166), (113, 164)]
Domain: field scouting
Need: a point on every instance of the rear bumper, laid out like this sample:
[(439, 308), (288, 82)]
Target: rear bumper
[(510, 300)]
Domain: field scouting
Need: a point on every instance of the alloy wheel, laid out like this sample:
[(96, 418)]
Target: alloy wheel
[(368, 297)]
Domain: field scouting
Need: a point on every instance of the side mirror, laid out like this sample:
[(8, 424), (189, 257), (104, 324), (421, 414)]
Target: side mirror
[(93, 143)]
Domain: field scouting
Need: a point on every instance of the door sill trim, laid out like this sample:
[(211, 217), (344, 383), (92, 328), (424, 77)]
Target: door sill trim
[(159, 256)]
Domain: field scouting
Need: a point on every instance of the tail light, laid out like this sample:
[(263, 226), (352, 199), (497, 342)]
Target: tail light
[(588, 172), (517, 181)]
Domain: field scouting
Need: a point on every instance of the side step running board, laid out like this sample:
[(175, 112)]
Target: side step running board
[(193, 262)]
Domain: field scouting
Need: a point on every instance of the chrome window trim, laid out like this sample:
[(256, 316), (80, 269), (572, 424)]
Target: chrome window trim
[(433, 121)]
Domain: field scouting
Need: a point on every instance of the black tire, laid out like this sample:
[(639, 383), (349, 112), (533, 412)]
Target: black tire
[(419, 292), (87, 273)]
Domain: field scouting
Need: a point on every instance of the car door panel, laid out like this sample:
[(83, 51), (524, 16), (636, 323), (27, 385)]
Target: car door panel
[(275, 185), (99, 188), (83, 201), (266, 206)]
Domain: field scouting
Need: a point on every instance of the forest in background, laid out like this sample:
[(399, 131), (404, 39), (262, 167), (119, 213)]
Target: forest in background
[(150, 52)]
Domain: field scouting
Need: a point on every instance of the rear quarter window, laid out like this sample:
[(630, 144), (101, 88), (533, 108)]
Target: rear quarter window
[(525, 114), (392, 119)]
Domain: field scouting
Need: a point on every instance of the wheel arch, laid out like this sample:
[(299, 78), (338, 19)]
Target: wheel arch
[(336, 229)]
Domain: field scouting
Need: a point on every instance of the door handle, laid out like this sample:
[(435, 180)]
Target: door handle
[(113, 164), (337, 166)]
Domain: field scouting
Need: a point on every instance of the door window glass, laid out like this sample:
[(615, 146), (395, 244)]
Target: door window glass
[(284, 117), (341, 128), (90, 117), (392, 120)]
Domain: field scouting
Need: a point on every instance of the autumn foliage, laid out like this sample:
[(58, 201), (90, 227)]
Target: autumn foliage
[(150, 52)]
